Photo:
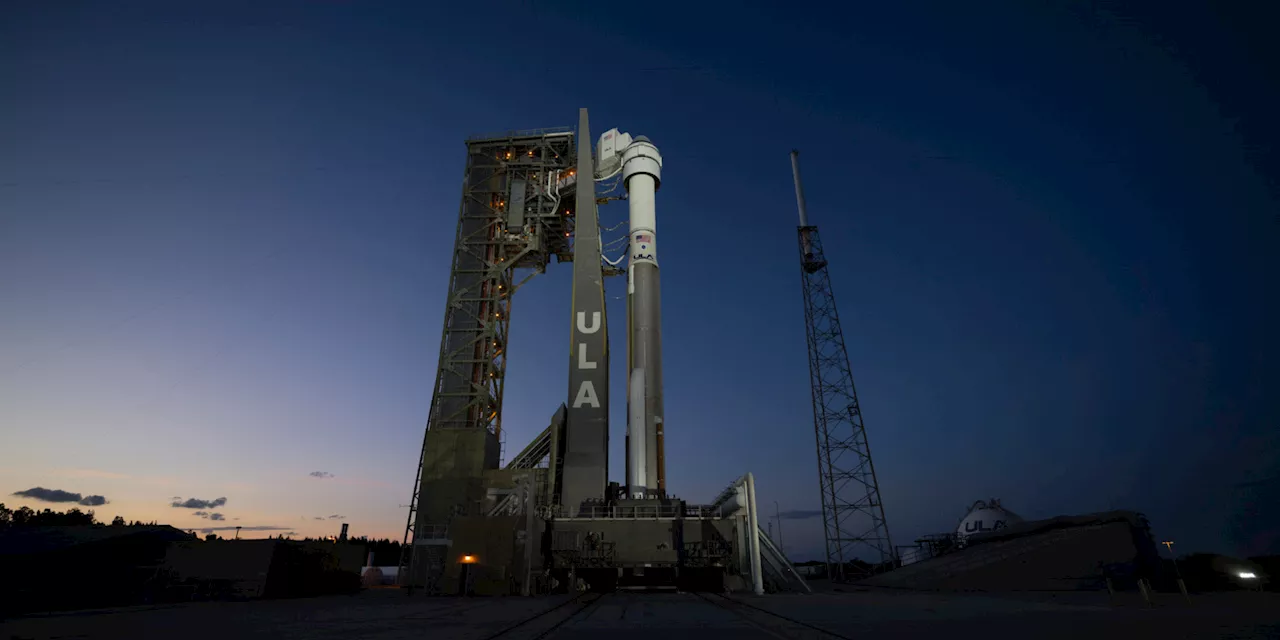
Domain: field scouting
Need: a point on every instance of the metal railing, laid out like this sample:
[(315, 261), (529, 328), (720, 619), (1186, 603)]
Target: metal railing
[(775, 560), (522, 133), (602, 512)]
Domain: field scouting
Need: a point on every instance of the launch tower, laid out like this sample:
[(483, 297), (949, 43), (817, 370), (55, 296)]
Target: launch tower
[(550, 518), (852, 514)]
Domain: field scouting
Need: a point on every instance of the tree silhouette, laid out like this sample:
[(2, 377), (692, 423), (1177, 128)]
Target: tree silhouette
[(117, 521), (28, 517)]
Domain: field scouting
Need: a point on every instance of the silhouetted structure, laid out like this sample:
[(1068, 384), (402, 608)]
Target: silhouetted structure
[(1067, 553), (854, 526), (49, 568)]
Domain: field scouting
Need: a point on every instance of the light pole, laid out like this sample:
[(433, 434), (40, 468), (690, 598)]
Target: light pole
[(777, 513), (1182, 586)]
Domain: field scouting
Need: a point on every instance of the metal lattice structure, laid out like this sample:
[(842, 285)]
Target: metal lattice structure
[(853, 516), (517, 213)]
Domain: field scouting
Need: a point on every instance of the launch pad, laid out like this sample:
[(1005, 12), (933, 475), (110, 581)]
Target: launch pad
[(550, 519)]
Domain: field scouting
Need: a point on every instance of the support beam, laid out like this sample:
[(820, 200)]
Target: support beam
[(586, 453)]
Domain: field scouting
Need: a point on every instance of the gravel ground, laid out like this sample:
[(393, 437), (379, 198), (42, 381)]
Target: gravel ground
[(390, 615)]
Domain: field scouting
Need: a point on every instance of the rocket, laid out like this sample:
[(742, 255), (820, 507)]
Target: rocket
[(640, 164)]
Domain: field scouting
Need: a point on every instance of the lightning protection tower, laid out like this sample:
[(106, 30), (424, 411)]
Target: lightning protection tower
[(852, 514)]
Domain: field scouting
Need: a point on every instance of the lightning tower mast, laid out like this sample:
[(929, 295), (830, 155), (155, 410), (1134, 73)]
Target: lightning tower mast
[(853, 519)]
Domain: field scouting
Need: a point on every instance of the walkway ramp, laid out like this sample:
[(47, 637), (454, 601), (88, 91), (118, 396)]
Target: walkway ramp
[(778, 571)]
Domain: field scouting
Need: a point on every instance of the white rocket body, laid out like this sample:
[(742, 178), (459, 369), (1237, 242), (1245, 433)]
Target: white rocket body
[(640, 164), (635, 408)]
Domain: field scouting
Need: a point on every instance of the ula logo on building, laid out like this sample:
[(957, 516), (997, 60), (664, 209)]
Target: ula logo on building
[(979, 526)]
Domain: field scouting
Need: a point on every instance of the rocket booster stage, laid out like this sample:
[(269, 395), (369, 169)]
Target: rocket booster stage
[(642, 175)]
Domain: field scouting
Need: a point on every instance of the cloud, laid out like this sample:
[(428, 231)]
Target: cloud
[(337, 517), (58, 495), (196, 503), (321, 474), (318, 518), (291, 533), (216, 516), (258, 528), (800, 514), (201, 513)]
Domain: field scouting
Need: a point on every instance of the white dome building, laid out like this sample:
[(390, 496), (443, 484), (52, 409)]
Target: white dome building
[(984, 517)]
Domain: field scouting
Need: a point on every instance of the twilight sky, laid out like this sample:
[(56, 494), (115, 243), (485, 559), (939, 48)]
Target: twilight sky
[(225, 230)]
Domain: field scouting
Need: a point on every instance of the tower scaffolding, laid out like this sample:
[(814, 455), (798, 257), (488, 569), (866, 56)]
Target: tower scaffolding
[(854, 524), (516, 213)]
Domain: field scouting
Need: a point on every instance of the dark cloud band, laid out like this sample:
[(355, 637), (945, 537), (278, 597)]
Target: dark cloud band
[(197, 503), (58, 495)]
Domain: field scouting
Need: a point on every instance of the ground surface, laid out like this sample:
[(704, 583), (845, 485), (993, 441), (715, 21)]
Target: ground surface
[(388, 614)]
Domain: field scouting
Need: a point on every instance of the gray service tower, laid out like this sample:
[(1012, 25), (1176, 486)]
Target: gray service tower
[(550, 519)]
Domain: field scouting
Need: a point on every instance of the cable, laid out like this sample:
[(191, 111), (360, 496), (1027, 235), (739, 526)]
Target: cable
[(613, 263), (611, 187), (616, 172)]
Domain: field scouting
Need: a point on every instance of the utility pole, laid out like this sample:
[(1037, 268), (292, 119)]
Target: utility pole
[(1182, 585), (528, 534), (777, 513)]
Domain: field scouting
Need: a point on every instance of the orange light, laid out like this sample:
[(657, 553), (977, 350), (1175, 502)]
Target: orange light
[(468, 559), (566, 234)]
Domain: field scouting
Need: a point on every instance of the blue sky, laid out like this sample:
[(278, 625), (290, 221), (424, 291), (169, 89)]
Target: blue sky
[(225, 231)]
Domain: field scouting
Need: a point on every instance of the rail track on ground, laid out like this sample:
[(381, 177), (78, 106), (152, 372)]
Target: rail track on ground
[(546, 622), (773, 624)]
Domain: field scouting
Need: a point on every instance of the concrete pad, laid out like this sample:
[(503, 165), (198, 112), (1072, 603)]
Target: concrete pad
[(390, 615)]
